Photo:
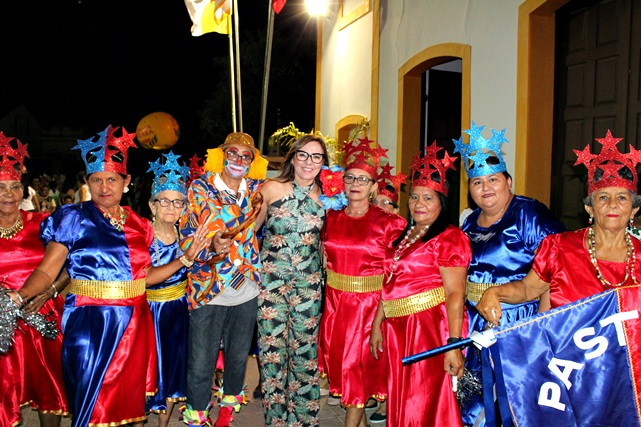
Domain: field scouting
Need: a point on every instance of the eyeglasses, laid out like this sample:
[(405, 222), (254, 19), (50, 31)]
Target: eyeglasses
[(302, 156), (178, 203), (14, 188), (385, 203), (233, 155), (361, 180)]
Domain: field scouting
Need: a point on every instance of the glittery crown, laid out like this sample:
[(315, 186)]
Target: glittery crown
[(12, 159), (362, 155), (476, 153), (424, 168), (196, 168), (105, 152), (611, 162), (389, 185), (170, 175)]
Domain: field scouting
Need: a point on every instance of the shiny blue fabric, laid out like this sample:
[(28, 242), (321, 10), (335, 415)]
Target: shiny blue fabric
[(502, 253), (599, 391), (91, 337), (171, 323), (79, 228)]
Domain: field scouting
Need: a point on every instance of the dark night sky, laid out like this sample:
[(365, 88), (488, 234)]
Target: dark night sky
[(89, 63)]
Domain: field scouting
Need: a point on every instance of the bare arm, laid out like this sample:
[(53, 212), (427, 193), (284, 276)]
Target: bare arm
[(44, 275), (270, 191), (454, 284), (519, 291), (37, 302), (376, 337)]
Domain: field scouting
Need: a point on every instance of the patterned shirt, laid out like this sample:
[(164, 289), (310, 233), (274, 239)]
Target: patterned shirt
[(207, 196)]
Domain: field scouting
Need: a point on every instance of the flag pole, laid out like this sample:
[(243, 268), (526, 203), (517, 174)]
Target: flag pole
[(240, 92), (232, 79), (268, 60)]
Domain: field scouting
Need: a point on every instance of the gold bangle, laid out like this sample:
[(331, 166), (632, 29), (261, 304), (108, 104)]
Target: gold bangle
[(185, 261)]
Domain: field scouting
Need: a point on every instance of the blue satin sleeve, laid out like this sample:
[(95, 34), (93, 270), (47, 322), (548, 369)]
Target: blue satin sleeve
[(79, 228)]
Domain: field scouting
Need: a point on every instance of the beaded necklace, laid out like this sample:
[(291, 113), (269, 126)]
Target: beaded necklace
[(629, 263), (9, 233), (156, 248), (405, 243), (118, 223)]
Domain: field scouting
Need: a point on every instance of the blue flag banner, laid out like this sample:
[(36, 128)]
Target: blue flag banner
[(576, 365)]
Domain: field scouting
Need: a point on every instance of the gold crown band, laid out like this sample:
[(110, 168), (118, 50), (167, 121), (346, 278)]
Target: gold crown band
[(414, 304), (169, 293), (106, 289), (356, 284)]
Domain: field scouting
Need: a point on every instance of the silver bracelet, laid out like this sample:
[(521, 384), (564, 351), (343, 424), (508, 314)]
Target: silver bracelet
[(55, 291)]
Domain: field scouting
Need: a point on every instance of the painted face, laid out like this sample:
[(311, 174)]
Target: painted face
[(308, 169), (107, 187), (358, 184), (491, 192), (424, 205), (168, 206), (10, 195), (612, 208), (238, 159), (385, 203)]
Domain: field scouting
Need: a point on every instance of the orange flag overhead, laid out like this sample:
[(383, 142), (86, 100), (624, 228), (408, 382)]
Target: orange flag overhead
[(209, 16), (278, 5)]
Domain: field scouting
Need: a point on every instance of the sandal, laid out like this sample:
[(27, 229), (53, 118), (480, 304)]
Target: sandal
[(371, 405)]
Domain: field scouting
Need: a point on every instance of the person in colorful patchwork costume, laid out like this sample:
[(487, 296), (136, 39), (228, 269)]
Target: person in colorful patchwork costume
[(223, 284)]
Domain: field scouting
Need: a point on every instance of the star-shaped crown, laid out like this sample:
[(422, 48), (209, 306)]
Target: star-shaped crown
[(11, 159), (105, 152), (424, 168), (389, 185), (363, 155), (196, 168), (611, 162), (169, 175), (476, 153)]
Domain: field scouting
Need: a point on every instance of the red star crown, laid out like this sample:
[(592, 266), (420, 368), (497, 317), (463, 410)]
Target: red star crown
[(423, 169), (388, 184), (363, 155), (11, 159), (611, 162)]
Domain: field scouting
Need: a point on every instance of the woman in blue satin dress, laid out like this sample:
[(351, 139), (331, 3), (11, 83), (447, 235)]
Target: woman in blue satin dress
[(168, 300), (505, 231)]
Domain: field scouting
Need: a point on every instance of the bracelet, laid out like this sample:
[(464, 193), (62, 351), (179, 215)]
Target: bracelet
[(452, 340), (55, 291), (185, 261), (20, 298)]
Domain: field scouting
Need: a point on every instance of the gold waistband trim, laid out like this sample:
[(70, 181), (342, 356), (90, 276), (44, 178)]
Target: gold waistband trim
[(169, 293), (414, 304), (357, 284), (105, 289), (475, 290)]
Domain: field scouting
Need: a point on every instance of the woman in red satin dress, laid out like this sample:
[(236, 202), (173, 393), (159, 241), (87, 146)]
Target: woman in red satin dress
[(355, 241), (422, 305), (31, 371)]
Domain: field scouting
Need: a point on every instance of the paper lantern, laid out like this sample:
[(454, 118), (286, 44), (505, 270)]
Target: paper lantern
[(158, 131)]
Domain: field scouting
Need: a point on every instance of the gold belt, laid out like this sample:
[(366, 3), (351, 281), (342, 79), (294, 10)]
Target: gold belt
[(106, 289), (169, 293), (356, 284), (414, 304), (475, 290)]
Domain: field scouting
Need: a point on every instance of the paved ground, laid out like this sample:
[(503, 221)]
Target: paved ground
[(250, 415)]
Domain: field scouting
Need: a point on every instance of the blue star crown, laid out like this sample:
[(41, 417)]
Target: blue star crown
[(170, 175), (476, 153)]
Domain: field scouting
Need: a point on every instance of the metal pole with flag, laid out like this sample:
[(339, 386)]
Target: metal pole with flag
[(214, 16)]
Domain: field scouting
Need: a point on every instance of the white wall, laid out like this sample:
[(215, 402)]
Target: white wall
[(407, 28)]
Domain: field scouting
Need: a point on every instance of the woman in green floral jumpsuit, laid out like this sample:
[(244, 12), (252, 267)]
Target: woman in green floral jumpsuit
[(292, 277)]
